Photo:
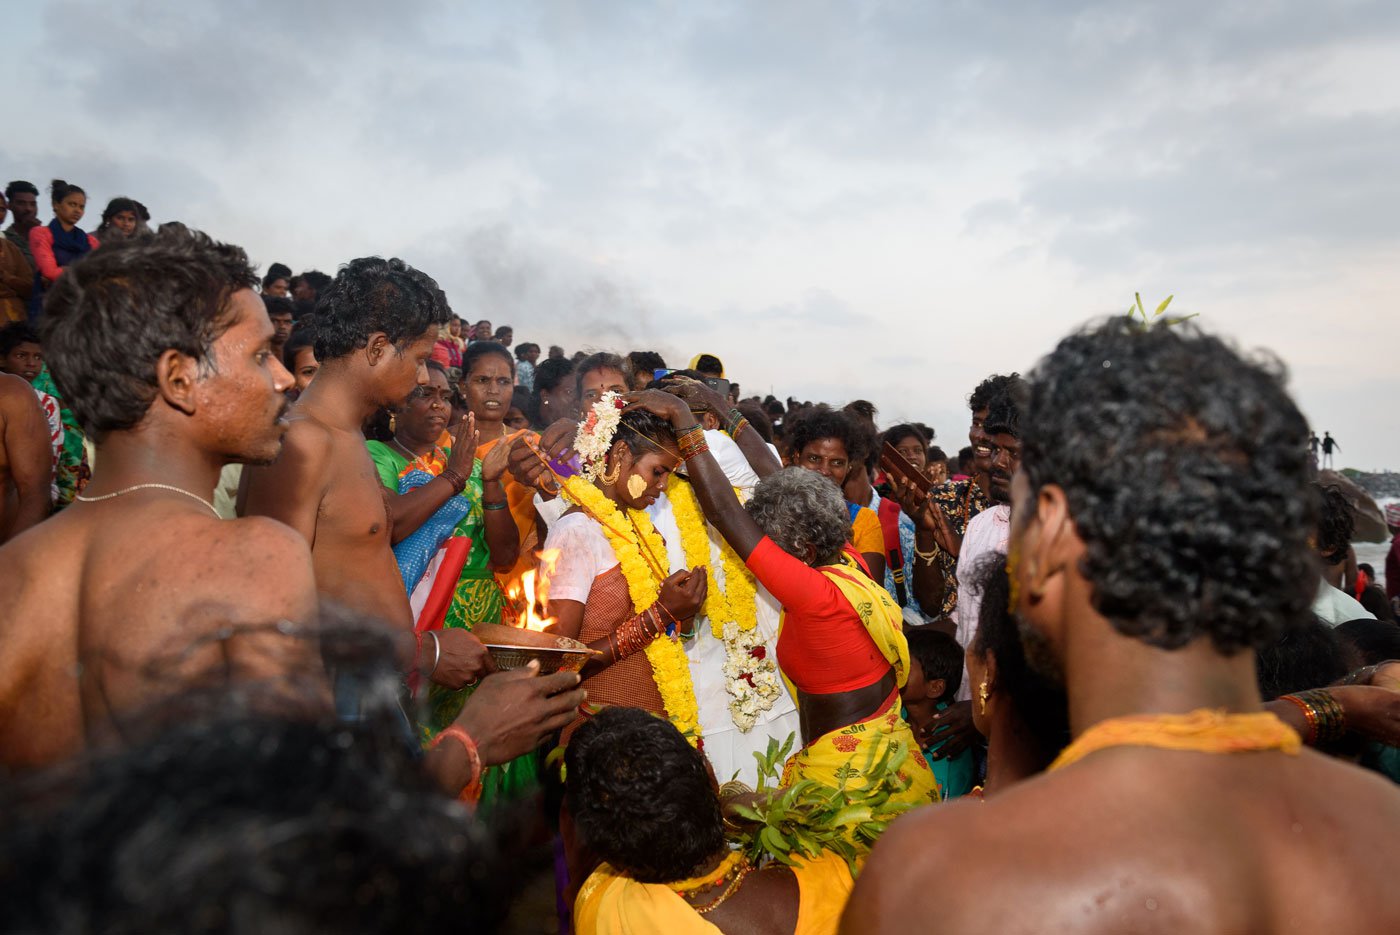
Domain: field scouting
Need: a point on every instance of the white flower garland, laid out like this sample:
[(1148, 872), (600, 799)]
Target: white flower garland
[(750, 676), (595, 435)]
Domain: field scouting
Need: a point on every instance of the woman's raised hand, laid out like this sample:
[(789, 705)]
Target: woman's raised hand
[(493, 466), (463, 455)]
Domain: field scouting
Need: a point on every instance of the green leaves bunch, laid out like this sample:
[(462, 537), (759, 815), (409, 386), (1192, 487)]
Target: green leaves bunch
[(806, 818)]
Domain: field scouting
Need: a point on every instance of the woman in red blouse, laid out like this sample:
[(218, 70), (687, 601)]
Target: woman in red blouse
[(61, 241), (840, 644)]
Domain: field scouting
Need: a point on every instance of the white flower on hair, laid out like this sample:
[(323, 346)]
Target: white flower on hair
[(596, 433)]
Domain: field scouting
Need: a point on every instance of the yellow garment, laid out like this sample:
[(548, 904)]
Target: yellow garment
[(612, 904), (837, 759), (866, 534), (1200, 731), (840, 758)]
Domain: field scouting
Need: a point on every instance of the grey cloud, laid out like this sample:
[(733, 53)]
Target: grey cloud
[(817, 307), (496, 273), (1314, 180)]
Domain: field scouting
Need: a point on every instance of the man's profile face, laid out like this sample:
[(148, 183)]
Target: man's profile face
[(303, 292), (25, 208), (242, 398), (405, 368), (1032, 617)]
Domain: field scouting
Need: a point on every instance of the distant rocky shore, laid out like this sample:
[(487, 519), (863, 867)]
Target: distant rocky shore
[(1386, 484)]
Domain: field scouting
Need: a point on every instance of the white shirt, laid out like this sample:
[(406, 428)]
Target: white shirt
[(584, 553), (1334, 607), (989, 532), (729, 750)]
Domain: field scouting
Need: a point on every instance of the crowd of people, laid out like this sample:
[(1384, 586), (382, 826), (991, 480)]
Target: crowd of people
[(278, 546)]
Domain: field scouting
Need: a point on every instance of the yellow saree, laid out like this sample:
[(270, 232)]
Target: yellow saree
[(610, 903), (852, 757)]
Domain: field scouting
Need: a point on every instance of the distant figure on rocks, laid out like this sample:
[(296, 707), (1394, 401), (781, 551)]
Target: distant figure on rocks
[(1329, 444)]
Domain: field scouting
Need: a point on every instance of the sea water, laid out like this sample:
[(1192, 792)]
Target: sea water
[(1373, 553)]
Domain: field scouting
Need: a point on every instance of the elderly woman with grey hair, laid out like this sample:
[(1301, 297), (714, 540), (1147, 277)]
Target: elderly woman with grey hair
[(840, 647)]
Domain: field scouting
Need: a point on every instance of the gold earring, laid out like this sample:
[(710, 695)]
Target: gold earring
[(636, 486), (982, 694), (611, 478), (393, 424)]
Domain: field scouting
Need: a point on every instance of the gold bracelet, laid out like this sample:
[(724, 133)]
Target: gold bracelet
[(928, 558)]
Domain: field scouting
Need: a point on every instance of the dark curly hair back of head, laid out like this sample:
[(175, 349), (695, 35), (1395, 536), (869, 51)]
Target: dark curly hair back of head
[(108, 319), (641, 797), (370, 295), (1184, 465)]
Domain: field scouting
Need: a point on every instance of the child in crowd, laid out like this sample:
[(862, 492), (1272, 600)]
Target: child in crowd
[(20, 353), (935, 674)]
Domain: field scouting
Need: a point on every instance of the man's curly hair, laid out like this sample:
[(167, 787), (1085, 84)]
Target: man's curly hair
[(1184, 465), (372, 294)]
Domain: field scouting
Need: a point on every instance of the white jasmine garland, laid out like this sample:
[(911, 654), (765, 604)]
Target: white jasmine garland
[(596, 433), (752, 682)]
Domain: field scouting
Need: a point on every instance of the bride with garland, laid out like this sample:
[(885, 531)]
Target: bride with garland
[(609, 586)]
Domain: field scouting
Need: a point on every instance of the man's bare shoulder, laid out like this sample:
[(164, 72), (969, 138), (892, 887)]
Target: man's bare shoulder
[(1142, 841), (15, 391), (922, 861), (307, 436), (256, 556)]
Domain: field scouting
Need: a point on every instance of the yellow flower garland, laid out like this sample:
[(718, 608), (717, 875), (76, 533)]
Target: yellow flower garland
[(629, 536), (751, 678), (735, 601)]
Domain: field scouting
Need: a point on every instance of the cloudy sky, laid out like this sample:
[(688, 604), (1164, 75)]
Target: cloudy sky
[(884, 200)]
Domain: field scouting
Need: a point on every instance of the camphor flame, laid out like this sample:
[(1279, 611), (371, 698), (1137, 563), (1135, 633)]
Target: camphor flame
[(531, 593)]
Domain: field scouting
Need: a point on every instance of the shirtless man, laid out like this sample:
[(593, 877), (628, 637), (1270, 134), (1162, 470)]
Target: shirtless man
[(161, 350), (1159, 533), (375, 329), (26, 458)]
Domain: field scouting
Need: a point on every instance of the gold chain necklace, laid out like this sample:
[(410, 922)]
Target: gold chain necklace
[(136, 487)]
